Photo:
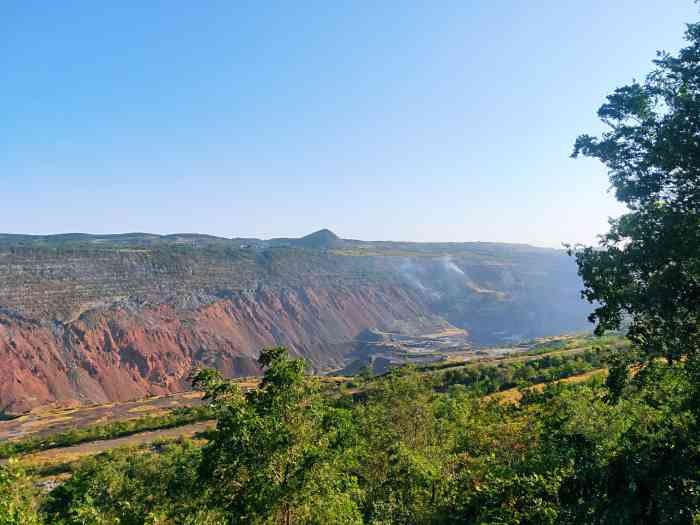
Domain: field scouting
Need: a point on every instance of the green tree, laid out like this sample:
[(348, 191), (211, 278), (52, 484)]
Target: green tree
[(133, 487), (17, 497), (647, 267), (404, 452), (277, 453), (645, 272)]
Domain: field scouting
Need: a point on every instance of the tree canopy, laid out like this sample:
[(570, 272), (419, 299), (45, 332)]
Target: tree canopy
[(647, 267)]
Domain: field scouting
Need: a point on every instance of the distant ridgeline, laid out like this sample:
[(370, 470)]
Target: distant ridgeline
[(98, 318)]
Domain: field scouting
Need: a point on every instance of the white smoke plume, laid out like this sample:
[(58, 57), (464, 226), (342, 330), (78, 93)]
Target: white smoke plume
[(449, 265), (410, 272)]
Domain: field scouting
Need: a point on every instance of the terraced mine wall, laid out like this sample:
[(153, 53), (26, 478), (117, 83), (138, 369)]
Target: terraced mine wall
[(60, 284), (100, 324)]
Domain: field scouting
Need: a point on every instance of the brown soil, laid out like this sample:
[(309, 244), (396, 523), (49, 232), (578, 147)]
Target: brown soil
[(124, 352)]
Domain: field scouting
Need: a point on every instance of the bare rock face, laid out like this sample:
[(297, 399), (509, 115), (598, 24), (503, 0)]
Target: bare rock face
[(96, 319), (125, 352)]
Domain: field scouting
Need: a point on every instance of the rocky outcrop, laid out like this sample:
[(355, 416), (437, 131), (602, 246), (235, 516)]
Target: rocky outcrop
[(128, 351)]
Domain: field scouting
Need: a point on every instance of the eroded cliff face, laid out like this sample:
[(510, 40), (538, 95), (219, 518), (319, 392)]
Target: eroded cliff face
[(102, 321), (130, 349)]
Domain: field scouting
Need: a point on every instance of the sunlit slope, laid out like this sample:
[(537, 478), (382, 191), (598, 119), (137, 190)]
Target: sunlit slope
[(105, 318)]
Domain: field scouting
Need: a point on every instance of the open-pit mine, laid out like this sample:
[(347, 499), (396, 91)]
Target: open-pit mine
[(93, 319)]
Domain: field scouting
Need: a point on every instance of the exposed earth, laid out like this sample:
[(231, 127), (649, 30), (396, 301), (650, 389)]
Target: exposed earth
[(97, 319)]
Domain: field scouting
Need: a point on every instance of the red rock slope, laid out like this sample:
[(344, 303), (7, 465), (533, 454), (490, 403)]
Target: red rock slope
[(124, 351)]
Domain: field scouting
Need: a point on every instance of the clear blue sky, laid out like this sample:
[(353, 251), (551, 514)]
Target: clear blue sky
[(448, 120)]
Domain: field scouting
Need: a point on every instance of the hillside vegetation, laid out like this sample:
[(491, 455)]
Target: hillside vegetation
[(408, 447)]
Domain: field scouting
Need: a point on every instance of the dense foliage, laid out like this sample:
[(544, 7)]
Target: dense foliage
[(647, 267), (646, 272), (400, 450), (129, 488), (18, 499)]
